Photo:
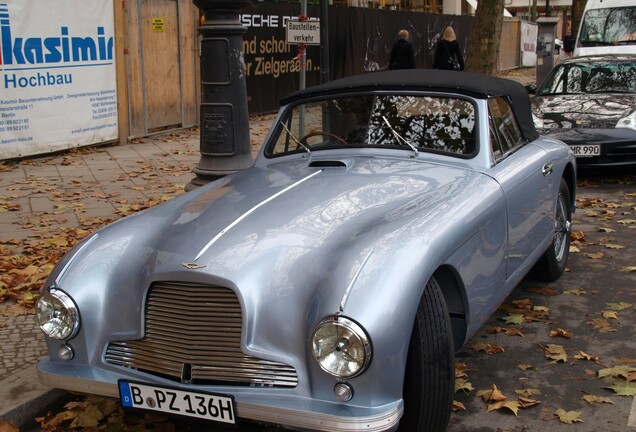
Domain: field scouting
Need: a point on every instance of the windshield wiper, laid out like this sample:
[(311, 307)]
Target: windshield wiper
[(399, 137), (296, 139)]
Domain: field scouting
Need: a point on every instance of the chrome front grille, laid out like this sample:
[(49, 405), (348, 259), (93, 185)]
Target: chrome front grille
[(193, 335)]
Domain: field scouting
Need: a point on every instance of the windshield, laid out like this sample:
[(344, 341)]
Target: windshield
[(611, 26), (597, 77), (429, 123)]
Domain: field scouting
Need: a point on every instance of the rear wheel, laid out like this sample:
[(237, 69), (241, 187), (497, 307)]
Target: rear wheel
[(429, 379), (552, 264)]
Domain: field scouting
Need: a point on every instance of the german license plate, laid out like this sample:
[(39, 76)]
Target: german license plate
[(206, 406), (582, 150)]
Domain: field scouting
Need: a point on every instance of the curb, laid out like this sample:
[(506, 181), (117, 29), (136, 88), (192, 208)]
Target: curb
[(22, 397)]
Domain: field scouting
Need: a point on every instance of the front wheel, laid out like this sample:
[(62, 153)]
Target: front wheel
[(552, 264), (429, 378)]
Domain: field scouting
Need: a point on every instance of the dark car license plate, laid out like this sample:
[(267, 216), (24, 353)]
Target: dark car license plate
[(206, 406), (588, 150)]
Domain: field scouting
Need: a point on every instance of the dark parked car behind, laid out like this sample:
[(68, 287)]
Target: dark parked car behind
[(590, 103)]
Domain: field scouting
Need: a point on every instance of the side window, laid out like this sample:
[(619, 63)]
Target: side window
[(574, 80), (505, 125), (495, 148)]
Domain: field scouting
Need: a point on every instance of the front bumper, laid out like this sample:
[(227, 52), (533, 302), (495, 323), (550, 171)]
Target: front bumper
[(618, 146), (293, 412)]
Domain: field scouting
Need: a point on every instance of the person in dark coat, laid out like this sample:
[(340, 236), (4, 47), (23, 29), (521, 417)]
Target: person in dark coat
[(448, 54), (402, 54)]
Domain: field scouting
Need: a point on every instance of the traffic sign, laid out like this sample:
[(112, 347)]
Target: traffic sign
[(307, 32)]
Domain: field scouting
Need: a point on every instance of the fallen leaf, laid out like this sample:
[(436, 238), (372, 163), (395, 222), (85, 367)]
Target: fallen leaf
[(526, 393), (560, 333), (602, 325), (544, 290), (513, 319), (584, 356), (575, 292), (509, 331), (610, 315), (592, 399), (510, 405), (617, 372), (463, 385), (526, 366), (488, 348), (619, 306), (458, 406), (527, 402), (556, 353), (595, 255), (623, 388), (577, 235), (6, 426), (568, 417), (612, 246), (492, 395)]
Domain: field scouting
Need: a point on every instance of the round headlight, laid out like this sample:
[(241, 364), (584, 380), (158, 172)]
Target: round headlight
[(341, 347), (57, 314)]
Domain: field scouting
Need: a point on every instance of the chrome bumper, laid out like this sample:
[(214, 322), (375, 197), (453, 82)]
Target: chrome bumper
[(293, 418)]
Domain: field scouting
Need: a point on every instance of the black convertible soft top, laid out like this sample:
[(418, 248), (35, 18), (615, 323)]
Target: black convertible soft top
[(470, 84)]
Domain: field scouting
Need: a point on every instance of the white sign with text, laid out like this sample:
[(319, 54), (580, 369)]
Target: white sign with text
[(307, 32)]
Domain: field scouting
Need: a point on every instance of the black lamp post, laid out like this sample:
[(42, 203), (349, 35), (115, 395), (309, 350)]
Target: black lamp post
[(224, 122)]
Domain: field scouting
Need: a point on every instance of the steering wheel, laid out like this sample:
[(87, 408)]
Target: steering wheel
[(322, 133)]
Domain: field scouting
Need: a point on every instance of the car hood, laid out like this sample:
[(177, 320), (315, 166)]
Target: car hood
[(275, 222), (591, 111)]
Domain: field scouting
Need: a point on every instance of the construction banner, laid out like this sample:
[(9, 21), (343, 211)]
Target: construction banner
[(57, 75)]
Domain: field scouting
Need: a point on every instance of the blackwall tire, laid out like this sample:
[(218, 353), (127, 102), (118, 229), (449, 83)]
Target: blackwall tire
[(429, 380), (552, 264)]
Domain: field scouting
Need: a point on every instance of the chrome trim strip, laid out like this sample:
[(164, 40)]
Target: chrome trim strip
[(345, 297), (252, 210), (267, 414), (307, 420), (79, 251)]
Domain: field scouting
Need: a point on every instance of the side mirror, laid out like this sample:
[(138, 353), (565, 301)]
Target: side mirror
[(568, 43), (531, 89)]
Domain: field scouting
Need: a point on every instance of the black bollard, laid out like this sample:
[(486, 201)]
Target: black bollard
[(224, 120)]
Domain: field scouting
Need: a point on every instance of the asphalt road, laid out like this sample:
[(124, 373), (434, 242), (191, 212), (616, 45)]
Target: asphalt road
[(589, 313)]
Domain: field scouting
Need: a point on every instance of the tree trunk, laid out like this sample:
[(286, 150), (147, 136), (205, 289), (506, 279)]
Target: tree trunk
[(533, 11), (578, 6), (483, 44)]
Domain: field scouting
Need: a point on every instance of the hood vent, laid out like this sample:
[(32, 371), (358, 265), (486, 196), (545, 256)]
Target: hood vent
[(327, 164)]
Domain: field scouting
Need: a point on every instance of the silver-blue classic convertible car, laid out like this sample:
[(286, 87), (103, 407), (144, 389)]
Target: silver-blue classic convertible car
[(327, 287)]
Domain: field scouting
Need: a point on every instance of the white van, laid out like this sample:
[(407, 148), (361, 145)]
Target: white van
[(607, 27)]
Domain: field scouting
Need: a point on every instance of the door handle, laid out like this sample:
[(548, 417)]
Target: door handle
[(547, 169)]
